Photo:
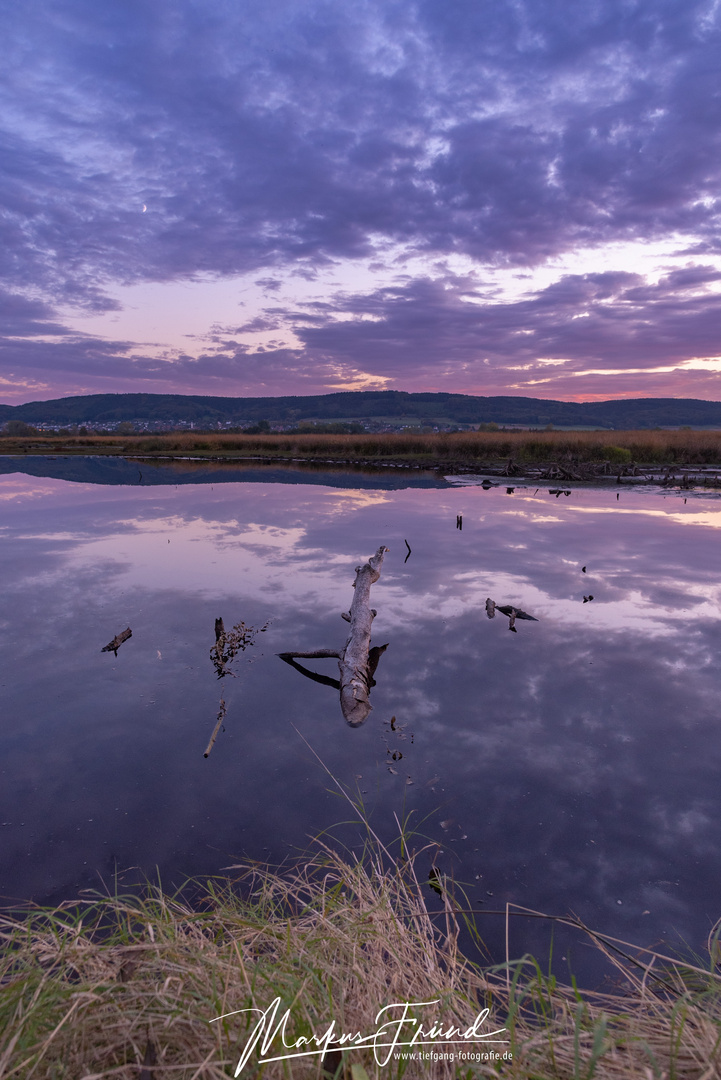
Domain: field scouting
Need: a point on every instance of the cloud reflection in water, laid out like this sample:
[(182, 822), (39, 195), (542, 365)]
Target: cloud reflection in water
[(578, 758)]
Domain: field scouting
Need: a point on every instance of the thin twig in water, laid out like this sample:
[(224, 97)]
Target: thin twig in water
[(216, 729)]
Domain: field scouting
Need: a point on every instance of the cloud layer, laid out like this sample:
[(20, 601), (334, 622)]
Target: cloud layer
[(443, 147)]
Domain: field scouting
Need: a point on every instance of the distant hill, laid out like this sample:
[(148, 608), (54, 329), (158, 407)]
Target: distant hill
[(395, 405)]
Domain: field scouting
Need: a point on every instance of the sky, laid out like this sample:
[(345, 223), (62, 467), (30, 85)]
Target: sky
[(304, 196)]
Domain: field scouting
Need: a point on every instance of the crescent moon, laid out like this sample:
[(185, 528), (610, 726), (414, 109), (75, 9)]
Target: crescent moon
[(144, 208)]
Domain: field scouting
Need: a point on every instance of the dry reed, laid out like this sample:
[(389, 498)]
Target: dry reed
[(643, 447), (95, 988)]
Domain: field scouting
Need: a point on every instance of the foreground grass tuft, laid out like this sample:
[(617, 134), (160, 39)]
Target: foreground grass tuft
[(125, 987)]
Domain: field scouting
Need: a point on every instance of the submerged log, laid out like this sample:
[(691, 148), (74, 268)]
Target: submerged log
[(117, 641), (357, 662)]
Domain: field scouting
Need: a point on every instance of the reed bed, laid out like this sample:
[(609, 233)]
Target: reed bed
[(462, 448), (126, 986)]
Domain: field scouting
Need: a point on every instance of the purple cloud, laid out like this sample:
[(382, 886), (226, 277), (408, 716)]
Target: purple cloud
[(430, 333), (272, 140)]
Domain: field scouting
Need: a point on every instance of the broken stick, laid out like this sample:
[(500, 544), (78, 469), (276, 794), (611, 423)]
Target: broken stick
[(216, 729), (117, 641)]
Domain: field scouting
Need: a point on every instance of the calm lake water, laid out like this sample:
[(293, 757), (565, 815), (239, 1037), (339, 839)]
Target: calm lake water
[(571, 766)]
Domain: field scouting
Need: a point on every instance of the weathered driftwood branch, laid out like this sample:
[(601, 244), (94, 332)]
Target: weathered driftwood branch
[(216, 729), (513, 613), (357, 662), (117, 641), (355, 677), (324, 680), (374, 656), (314, 654)]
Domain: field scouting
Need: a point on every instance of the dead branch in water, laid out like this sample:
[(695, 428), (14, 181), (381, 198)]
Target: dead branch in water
[(216, 729), (117, 641), (324, 680), (228, 643), (357, 662), (513, 613)]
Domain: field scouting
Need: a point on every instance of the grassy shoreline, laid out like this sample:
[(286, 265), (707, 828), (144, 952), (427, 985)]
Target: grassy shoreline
[(462, 449), (682, 459), (126, 986)]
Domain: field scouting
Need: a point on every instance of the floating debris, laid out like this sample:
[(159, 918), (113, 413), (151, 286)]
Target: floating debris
[(409, 552), (490, 608), (583, 569), (586, 599), (117, 641), (459, 521), (228, 643)]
